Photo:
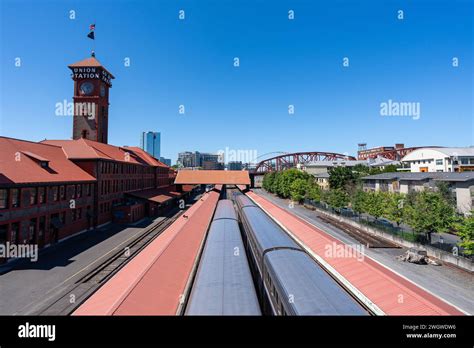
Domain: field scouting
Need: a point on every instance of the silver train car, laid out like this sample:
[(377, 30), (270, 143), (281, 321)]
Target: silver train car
[(223, 284), (291, 281)]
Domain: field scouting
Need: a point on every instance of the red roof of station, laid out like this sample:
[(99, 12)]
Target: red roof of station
[(155, 280), (161, 195), (89, 62), (88, 149), (213, 177), (146, 156), (21, 162)]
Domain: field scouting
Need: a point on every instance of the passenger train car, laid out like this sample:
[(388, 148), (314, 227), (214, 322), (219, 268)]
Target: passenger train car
[(223, 284), (288, 277)]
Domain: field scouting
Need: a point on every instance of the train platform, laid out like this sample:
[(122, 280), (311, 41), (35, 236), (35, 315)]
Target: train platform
[(156, 281), (381, 289)]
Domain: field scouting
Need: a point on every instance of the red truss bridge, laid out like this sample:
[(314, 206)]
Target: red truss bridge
[(290, 160)]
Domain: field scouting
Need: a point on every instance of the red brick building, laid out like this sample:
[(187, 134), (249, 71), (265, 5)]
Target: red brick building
[(44, 197), (54, 189), (364, 153), (118, 170)]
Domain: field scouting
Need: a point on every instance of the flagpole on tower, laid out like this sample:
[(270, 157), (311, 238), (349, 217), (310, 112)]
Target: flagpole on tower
[(91, 36), (94, 38)]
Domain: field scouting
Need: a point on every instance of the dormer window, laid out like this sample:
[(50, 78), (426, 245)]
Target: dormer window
[(43, 162)]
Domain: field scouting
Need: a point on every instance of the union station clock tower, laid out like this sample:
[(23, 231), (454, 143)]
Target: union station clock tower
[(91, 100)]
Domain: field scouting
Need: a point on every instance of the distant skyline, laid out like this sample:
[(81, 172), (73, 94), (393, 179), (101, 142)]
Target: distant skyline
[(285, 65)]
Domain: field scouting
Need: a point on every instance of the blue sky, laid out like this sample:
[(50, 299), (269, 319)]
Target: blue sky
[(282, 62)]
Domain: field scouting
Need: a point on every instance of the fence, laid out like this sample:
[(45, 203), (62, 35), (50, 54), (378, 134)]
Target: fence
[(389, 227)]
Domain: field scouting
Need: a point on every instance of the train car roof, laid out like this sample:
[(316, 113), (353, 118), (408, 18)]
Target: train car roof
[(225, 210), (266, 231), (311, 290), (244, 201), (223, 283)]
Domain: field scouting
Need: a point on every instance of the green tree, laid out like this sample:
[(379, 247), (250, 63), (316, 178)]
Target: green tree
[(361, 170), (465, 231), (341, 178), (445, 190), (394, 208), (358, 201), (286, 178), (338, 198), (429, 212), (298, 189), (375, 203), (273, 185), (375, 171), (313, 192), (268, 181), (391, 168)]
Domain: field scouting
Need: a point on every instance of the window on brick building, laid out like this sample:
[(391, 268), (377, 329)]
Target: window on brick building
[(41, 226), (33, 196), (32, 231), (79, 191), (15, 198), (55, 194), (15, 230), (42, 195), (3, 199), (62, 192)]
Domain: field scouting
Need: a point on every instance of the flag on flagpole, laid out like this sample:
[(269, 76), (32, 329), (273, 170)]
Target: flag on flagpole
[(91, 32)]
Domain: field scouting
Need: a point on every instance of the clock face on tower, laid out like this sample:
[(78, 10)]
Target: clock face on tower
[(86, 88)]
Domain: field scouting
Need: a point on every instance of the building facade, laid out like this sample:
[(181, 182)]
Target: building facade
[(44, 197), (443, 159), (189, 159)]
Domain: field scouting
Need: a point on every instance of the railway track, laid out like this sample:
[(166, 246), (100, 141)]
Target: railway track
[(75, 294), (364, 238)]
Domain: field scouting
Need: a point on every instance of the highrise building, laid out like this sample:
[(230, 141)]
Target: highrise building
[(151, 143), (189, 159), (203, 160), (166, 161), (235, 165)]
